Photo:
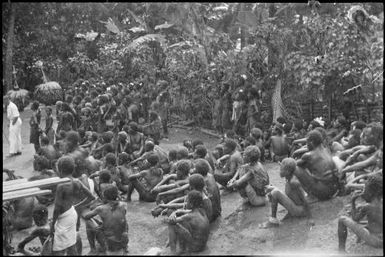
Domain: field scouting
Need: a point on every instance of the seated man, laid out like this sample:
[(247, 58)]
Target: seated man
[(135, 141), (124, 171), (293, 199), (111, 231), (195, 182), (235, 160), (257, 134), (172, 181), (251, 178), (190, 227), (372, 233), (150, 148), (42, 231), (146, 180), (200, 151), (279, 145), (202, 167), (47, 150), (315, 169)]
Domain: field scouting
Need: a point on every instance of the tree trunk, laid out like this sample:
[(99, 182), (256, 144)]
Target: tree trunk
[(243, 32), (9, 50)]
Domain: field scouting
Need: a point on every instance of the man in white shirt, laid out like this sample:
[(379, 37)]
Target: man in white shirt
[(14, 127)]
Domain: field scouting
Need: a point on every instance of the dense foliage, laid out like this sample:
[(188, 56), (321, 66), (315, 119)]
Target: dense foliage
[(318, 51)]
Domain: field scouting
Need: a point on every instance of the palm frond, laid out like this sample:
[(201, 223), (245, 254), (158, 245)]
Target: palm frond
[(145, 39)]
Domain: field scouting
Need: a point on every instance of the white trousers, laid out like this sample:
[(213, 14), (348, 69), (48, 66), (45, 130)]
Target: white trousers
[(15, 137)]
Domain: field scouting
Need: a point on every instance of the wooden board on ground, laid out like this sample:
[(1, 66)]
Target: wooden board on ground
[(41, 183)]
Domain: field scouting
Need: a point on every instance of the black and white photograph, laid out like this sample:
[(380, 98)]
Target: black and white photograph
[(192, 128)]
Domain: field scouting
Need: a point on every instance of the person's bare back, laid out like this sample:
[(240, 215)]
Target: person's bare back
[(280, 146)]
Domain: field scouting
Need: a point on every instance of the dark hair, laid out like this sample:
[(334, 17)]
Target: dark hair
[(374, 184), (230, 133), (315, 137), (104, 176), (73, 137), (315, 124), (125, 128), (108, 136), (82, 132), (66, 165), (201, 151), (110, 159), (287, 127), (35, 106), (230, 143), (94, 136), (149, 145), (42, 162), (253, 153), (153, 159), (48, 109), (289, 164), (219, 148), (108, 148), (40, 214), (256, 133), (251, 140), (123, 158), (133, 125), (111, 193), (359, 124), (322, 131), (281, 120), (196, 181), (202, 166), (183, 166), (195, 198), (44, 140), (254, 92), (298, 124), (172, 154), (69, 98), (182, 153)]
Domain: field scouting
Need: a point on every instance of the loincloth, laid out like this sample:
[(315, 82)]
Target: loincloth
[(65, 230)]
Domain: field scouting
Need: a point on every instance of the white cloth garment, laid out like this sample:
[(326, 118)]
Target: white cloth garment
[(65, 230), (14, 130)]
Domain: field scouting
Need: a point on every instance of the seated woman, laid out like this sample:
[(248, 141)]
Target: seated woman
[(372, 233), (146, 180), (189, 228), (251, 178), (293, 199)]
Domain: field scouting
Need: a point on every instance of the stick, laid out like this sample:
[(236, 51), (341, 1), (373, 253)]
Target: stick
[(38, 183), (18, 196), (24, 191)]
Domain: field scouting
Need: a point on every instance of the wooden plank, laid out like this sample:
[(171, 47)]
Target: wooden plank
[(16, 181), (29, 190), (18, 196), (37, 183)]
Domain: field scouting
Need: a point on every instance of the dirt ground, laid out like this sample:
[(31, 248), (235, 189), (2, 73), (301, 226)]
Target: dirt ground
[(236, 232)]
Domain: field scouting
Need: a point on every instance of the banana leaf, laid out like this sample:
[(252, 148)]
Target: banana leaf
[(21, 93)]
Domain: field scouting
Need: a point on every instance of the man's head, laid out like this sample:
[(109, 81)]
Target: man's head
[(202, 167), (72, 140), (108, 148), (251, 154), (182, 169), (358, 125), (182, 153), (123, 158), (256, 133), (372, 134), (111, 193), (314, 139), (188, 144), (373, 187), (229, 146), (287, 167), (200, 152), (40, 215), (149, 145), (172, 155), (108, 136), (105, 176), (153, 159), (249, 141), (218, 151), (133, 127), (122, 135), (40, 163), (66, 166), (44, 140), (196, 182), (110, 159), (194, 200)]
